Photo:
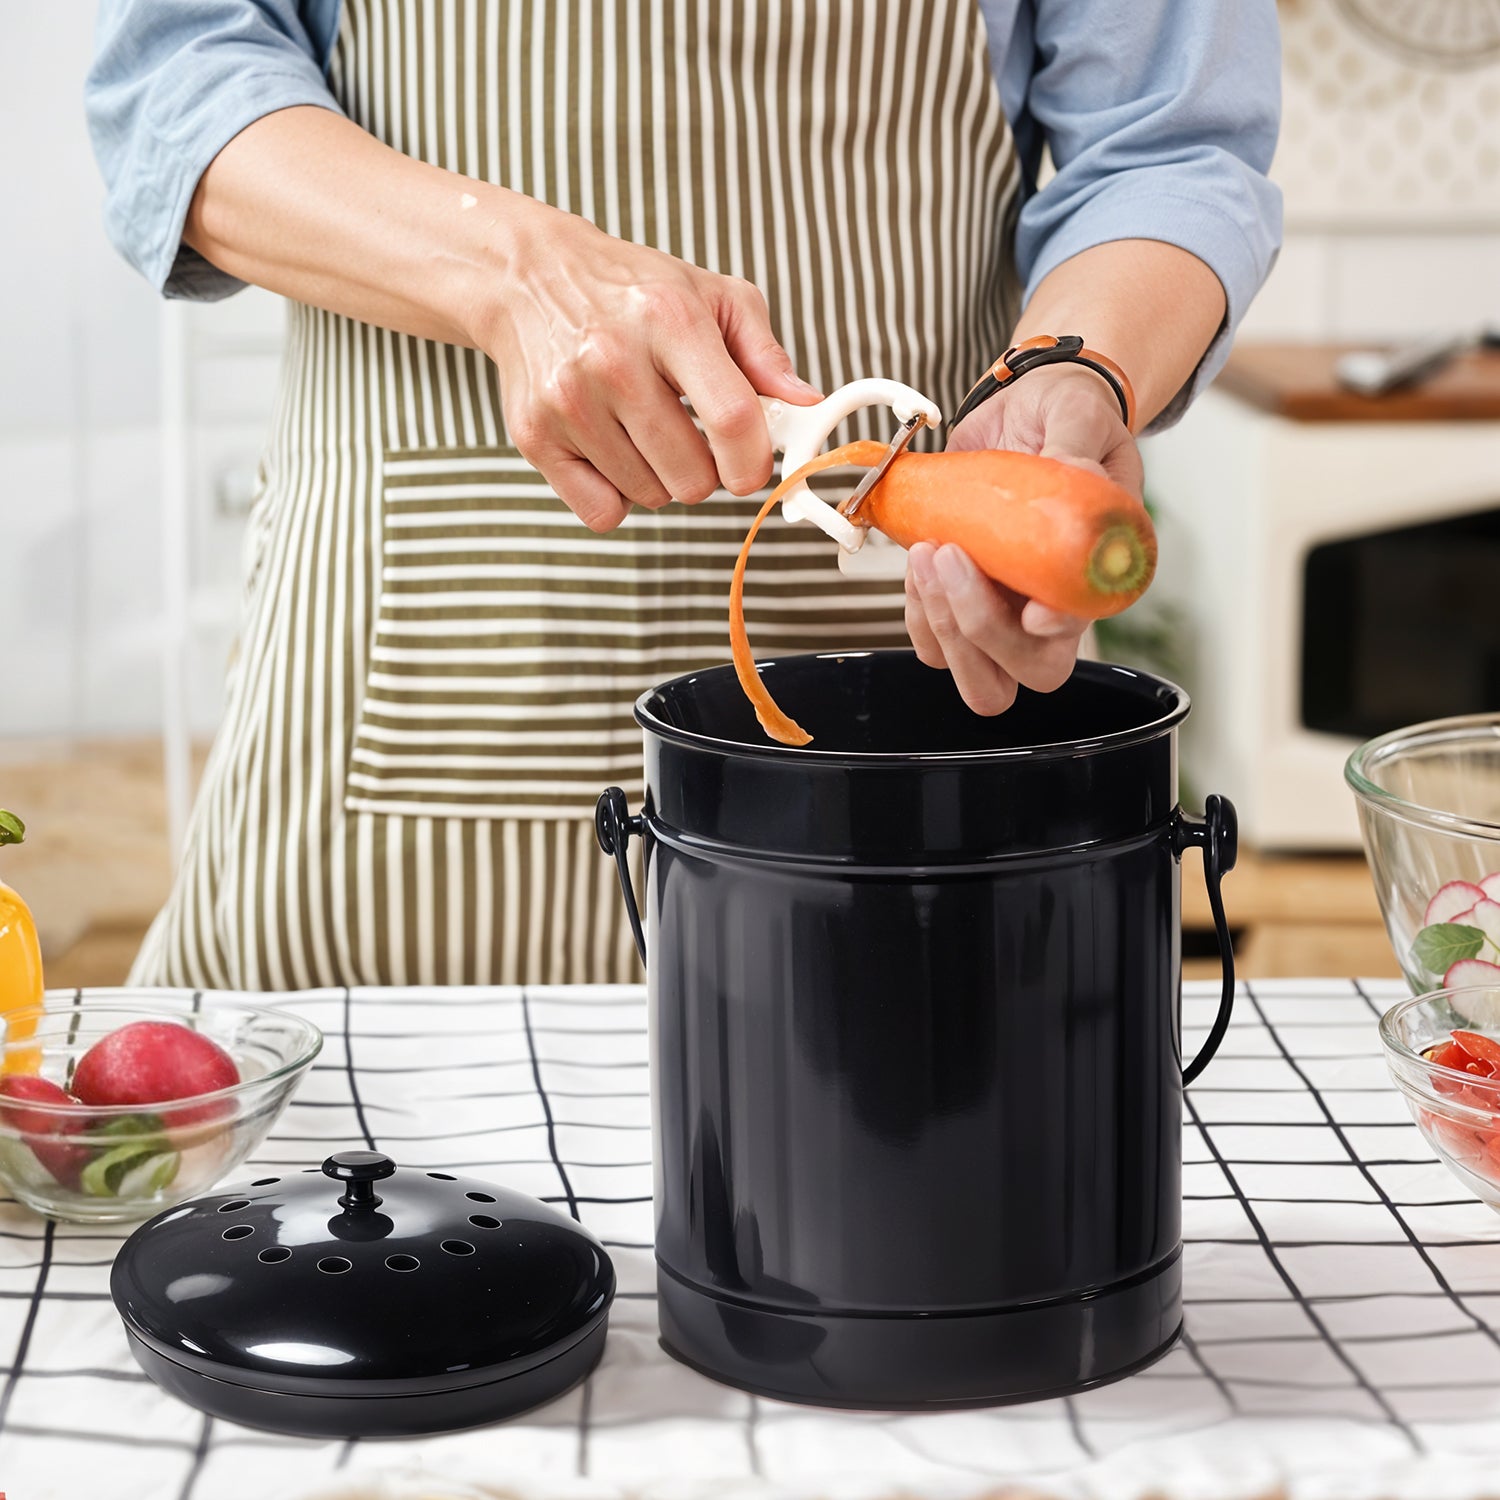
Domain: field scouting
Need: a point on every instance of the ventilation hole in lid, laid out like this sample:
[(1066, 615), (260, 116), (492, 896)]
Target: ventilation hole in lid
[(238, 1231), (335, 1265), (275, 1255), (234, 1205), (402, 1262), (480, 1197), (484, 1221), (265, 1181), (458, 1247), (443, 1176)]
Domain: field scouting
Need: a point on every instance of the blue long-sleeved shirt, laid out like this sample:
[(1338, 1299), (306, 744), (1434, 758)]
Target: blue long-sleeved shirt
[(1161, 117)]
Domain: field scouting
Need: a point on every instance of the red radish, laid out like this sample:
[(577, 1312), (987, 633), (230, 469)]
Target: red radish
[(1485, 915), (1471, 971), (154, 1062), (1451, 901), (1490, 885), (40, 1128)]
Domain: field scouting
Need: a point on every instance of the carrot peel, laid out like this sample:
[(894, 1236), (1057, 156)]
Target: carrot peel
[(780, 726)]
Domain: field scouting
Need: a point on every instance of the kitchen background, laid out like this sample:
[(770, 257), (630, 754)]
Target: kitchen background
[(129, 431)]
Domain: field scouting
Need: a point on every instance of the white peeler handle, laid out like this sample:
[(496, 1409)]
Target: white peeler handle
[(799, 432)]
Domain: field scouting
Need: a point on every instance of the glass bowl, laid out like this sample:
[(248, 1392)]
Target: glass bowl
[(1429, 809), (113, 1163), (1457, 1111)]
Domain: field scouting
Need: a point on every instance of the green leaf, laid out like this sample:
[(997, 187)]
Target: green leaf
[(147, 1176), (12, 829), (1444, 943), (101, 1177)]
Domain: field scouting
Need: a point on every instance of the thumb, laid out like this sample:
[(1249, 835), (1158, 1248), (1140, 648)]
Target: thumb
[(752, 345)]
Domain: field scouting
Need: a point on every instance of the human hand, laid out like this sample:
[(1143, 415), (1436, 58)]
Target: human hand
[(596, 341), (991, 638)]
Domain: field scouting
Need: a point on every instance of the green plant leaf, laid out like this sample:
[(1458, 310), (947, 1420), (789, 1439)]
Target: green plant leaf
[(12, 829), (1444, 943)]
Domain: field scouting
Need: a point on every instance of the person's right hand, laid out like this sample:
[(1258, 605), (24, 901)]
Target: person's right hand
[(596, 341)]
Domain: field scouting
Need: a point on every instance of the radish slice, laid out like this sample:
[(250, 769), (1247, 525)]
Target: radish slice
[(1485, 915), (1471, 971), (1490, 885), (1482, 1010), (1451, 902)]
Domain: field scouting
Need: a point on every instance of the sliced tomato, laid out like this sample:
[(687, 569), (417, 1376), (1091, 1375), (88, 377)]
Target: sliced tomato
[(1481, 1048), (1449, 1055)]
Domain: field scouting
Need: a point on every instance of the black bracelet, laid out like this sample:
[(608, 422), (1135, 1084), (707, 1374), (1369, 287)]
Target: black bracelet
[(1049, 349)]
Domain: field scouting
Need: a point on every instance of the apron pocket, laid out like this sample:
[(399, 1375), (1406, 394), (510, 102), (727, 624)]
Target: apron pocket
[(493, 690)]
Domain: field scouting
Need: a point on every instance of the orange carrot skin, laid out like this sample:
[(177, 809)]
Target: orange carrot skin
[(1031, 523), (780, 726)]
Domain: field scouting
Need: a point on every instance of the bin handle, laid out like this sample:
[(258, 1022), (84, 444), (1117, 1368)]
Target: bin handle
[(613, 826), (1217, 834)]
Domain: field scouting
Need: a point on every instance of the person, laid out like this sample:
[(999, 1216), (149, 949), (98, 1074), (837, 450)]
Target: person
[(517, 236)]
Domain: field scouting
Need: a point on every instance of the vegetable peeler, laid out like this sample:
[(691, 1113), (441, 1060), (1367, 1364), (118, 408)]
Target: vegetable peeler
[(798, 434)]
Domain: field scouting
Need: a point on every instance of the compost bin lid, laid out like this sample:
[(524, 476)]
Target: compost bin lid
[(384, 1280)]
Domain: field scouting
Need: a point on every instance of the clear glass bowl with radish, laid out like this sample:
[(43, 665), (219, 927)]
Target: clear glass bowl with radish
[(1429, 809), (113, 1109), (1447, 1065)]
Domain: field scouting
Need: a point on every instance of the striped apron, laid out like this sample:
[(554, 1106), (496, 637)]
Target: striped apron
[(437, 661)]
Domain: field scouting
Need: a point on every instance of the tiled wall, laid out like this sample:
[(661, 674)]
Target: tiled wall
[(1394, 229)]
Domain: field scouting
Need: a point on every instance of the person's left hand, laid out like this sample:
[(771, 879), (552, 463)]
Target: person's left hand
[(988, 636)]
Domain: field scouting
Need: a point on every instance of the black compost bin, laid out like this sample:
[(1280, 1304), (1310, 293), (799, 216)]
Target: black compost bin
[(916, 1066)]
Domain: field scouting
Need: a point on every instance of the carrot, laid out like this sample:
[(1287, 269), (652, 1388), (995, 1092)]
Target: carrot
[(1051, 531)]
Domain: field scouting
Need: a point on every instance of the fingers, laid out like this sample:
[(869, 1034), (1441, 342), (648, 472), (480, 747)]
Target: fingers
[(584, 490), (924, 642), (595, 434), (596, 351), (726, 404), (667, 440), (981, 681), (745, 323), (990, 640)]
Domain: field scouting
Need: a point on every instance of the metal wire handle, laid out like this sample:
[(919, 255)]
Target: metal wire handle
[(1217, 833), (613, 826)]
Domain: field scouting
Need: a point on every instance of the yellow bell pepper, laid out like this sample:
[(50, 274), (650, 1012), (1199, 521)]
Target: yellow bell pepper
[(21, 984)]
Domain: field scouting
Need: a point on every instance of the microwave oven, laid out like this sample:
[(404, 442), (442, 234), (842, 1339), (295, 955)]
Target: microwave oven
[(1330, 581)]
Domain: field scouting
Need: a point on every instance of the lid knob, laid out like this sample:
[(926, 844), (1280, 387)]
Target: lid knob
[(359, 1171)]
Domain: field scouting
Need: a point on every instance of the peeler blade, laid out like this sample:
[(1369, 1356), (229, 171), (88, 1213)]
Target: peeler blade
[(905, 433)]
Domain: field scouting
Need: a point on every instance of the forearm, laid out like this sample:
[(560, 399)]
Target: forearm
[(306, 203), (1151, 307)]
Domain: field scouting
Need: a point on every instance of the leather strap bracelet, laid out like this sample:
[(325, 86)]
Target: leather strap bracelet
[(1049, 349)]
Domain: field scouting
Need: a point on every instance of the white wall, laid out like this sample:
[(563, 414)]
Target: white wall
[(79, 406), (1392, 175)]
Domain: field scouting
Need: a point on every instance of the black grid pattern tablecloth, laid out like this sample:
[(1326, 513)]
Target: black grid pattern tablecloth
[(1343, 1328)]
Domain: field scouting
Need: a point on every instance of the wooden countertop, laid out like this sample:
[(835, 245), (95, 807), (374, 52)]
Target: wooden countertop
[(1291, 915), (1297, 381)]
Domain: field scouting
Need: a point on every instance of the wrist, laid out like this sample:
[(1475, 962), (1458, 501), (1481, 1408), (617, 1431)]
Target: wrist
[(1046, 351), (1078, 384), (501, 238)]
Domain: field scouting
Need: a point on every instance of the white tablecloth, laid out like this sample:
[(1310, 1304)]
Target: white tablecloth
[(1343, 1294)]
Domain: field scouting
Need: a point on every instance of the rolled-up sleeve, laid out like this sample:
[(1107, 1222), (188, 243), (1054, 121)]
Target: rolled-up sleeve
[(1161, 117), (173, 81)]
